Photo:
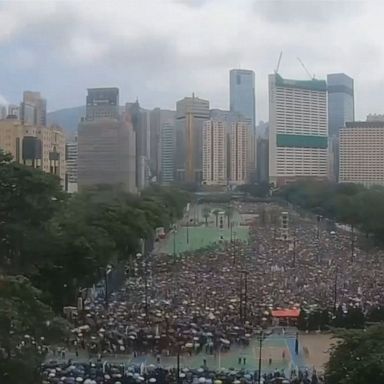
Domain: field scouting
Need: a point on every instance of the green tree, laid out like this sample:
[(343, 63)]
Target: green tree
[(29, 199), (25, 324), (357, 358)]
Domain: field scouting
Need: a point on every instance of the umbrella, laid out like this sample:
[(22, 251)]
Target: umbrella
[(152, 380), (202, 380)]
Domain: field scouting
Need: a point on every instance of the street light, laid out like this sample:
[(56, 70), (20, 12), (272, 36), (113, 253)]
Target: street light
[(260, 349), (108, 270)]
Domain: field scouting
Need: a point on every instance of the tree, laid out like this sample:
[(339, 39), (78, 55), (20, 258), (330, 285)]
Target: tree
[(357, 358), (26, 323), (29, 199), (206, 214)]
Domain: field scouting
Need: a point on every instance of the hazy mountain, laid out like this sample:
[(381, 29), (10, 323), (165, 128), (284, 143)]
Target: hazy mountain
[(67, 118)]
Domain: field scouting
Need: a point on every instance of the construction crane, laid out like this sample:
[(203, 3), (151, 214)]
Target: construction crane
[(312, 77), (278, 62)]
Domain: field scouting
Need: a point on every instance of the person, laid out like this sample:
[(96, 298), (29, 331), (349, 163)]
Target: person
[(239, 360), (270, 361), (283, 355), (244, 360)]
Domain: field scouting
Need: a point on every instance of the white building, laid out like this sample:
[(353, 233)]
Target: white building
[(238, 153), (214, 153), (167, 153), (298, 129), (71, 159), (362, 153)]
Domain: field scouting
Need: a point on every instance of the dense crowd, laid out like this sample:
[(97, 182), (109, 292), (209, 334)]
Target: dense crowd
[(98, 373), (209, 301)]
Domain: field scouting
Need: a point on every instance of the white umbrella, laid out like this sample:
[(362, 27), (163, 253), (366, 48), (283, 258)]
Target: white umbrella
[(152, 380), (202, 380), (79, 379)]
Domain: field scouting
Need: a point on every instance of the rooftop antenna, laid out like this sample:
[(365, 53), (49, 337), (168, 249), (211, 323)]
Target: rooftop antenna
[(278, 62), (312, 77)]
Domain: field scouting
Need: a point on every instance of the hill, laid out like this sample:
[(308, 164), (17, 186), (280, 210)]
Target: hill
[(67, 118)]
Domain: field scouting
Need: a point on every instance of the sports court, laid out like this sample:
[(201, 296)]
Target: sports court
[(273, 348), (202, 234)]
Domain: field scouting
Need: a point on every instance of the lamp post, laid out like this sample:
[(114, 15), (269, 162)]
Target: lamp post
[(108, 270), (260, 350), (335, 290), (174, 244)]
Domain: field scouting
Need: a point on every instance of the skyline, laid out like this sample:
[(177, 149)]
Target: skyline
[(63, 48)]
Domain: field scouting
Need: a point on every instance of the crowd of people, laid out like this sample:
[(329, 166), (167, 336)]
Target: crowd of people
[(98, 373), (209, 301)]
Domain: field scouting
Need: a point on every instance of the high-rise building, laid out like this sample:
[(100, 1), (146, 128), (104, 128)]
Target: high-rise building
[(238, 153), (33, 109), (141, 126), (242, 101), (35, 146), (242, 94), (214, 153), (3, 112), (168, 149), (71, 153), (14, 111), (362, 153), (298, 129), (159, 118), (341, 108), (262, 160), (106, 143), (191, 112), (102, 103)]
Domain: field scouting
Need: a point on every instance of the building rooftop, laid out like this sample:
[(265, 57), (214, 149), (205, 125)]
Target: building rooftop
[(312, 85), (364, 124)]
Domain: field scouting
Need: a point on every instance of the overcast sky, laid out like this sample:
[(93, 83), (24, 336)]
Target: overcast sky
[(163, 50)]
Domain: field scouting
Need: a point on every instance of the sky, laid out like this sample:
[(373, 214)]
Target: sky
[(162, 50)]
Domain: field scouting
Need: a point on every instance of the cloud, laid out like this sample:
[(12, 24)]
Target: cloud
[(161, 51), (305, 11)]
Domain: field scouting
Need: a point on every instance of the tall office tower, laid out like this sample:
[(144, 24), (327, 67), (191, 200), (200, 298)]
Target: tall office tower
[(191, 112), (168, 148), (3, 112), (298, 129), (14, 111), (341, 108), (238, 153), (33, 109), (35, 146), (158, 119), (361, 153), (214, 153), (106, 143), (71, 153), (141, 126), (242, 101), (242, 94), (102, 103), (262, 160)]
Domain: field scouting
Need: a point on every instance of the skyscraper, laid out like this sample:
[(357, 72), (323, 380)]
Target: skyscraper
[(159, 118), (71, 153), (33, 109), (341, 108), (102, 103), (238, 153), (191, 112), (242, 93), (361, 152), (106, 143), (298, 129), (242, 101), (214, 153), (168, 146), (141, 126)]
